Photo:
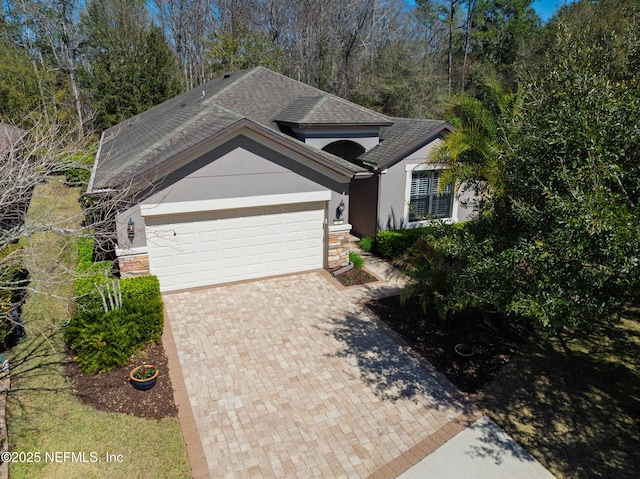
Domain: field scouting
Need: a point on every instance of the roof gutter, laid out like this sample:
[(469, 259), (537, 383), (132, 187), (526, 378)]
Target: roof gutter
[(363, 174), (95, 166)]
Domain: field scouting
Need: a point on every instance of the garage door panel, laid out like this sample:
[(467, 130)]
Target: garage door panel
[(209, 256), (208, 236), (190, 279), (186, 259), (254, 251), (232, 245), (253, 232), (164, 262)]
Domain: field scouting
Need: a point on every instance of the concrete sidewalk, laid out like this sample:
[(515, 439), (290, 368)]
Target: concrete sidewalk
[(481, 451)]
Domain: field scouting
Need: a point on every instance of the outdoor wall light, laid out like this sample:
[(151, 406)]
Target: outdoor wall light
[(340, 210), (131, 230)]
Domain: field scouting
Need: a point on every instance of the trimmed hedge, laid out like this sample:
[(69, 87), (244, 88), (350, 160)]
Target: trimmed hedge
[(366, 243), (105, 341), (85, 253), (89, 274), (394, 243)]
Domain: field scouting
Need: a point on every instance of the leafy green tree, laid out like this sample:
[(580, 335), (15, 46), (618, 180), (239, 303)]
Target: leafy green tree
[(130, 66), (240, 49), (565, 251), (502, 35), (474, 153), (18, 87)]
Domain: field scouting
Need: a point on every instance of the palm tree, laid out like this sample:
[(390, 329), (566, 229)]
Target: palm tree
[(474, 153)]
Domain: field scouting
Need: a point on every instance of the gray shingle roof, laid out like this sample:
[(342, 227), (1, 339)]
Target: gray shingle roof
[(148, 140), (403, 138), (329, 110), (258, 96)]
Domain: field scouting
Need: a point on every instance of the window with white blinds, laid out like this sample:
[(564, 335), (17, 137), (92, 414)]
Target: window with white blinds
[(426, 201)]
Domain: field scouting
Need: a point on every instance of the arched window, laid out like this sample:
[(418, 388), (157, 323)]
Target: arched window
[(349, 150)]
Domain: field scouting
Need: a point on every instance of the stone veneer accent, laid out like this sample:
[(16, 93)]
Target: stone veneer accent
[(135, 265), (338, 249)]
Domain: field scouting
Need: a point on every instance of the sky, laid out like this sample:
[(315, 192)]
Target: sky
[(546, 8)]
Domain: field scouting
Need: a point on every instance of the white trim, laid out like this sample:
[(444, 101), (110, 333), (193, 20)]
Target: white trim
[(409, 169), (424, 166), (339, 228), (94, 168), (232, 203), (131, 251)]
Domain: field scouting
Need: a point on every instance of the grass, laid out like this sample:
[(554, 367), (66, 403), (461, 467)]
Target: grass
[(43, 414), (574, 402)]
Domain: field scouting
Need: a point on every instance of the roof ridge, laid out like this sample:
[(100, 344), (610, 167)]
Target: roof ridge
[(321, 101), (247, 73), (360, 107), (322, 93)]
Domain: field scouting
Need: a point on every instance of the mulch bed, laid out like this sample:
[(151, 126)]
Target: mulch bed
[(355, 277), (494, 341), (112, 392)]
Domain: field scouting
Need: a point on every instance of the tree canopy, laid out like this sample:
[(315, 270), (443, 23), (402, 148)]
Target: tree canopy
[(101, 61), (564, 250)]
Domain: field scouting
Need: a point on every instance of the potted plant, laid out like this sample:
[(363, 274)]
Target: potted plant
[(144, 377)]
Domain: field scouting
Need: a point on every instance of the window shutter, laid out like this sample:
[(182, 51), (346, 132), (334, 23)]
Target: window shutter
[(426, 201), (420, 195)]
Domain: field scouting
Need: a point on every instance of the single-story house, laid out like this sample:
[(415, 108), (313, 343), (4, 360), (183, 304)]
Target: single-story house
[(254, 174)]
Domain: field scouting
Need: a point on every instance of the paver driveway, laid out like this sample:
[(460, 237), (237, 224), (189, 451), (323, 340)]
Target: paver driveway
[(293, 377)]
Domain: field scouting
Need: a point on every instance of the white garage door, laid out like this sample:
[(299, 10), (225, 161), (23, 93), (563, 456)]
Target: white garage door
[(199, 249)]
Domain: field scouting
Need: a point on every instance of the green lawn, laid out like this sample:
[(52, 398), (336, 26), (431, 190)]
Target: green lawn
[(43, 416), (575, 405)]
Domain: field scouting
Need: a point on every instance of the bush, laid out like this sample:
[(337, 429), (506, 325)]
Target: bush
[(77, 176), (394, 243), (366, 243), (105, 341), (6, 305), (89, 274), (356, 259), (78, 171), (85, 253)]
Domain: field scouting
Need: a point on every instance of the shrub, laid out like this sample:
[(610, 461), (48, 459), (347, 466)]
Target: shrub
[(78, 171), (100, 340), (105, 341), (356, 259), (89, 274), (366, 243), (87, 296), (392, 244), (77, 176), (6, 305), (85, 253)]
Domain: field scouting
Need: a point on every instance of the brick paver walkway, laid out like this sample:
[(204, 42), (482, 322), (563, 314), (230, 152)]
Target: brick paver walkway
[(293, 377)]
